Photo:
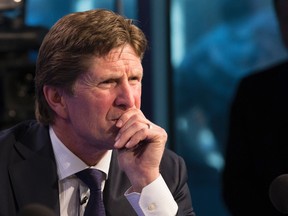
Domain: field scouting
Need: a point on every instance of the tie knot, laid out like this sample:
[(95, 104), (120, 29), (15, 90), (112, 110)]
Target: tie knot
[(91, 177)]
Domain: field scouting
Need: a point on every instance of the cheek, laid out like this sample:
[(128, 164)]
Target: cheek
[(103, 105), (85, 107)]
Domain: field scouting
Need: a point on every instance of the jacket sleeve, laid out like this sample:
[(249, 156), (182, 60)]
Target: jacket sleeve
[(174, 171)]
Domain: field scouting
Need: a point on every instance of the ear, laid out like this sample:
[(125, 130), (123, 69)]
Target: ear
[(55, 99)]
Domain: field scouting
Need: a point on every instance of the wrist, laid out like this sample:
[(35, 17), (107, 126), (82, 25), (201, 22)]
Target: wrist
[(140, 180)]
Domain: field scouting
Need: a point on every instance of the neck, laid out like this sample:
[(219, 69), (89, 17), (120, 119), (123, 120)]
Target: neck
[(91, 159), (89, 153)]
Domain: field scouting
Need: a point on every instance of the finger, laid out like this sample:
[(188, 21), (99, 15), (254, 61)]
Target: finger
[(131, 123), (139, 149), (137, 138), (130, 116), (132, 135)]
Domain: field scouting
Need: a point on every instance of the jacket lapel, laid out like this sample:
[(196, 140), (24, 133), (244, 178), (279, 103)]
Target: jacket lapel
[(115, 187), (34, 175)]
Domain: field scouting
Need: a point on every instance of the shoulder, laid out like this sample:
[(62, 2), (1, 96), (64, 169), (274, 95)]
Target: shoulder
[(263, 84), (17, 130), (267, 75), (26, 133)]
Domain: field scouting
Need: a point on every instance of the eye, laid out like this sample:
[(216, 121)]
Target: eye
[(134, 79), (108, 83)]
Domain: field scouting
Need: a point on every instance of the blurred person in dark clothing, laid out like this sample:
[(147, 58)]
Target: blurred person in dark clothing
[(257, 148)]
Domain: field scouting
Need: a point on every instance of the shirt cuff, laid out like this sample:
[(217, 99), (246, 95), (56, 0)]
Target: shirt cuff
[(155, 199)]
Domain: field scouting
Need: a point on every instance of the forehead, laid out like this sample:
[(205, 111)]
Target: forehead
[(122, 58), (122, 53)]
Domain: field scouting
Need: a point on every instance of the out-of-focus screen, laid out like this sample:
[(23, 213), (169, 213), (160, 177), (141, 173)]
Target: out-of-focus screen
[(9, 4)]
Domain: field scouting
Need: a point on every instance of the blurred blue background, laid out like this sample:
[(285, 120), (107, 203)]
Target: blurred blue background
[(199, 50)]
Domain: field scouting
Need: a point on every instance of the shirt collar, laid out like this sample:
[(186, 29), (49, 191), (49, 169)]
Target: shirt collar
[(69, 164)]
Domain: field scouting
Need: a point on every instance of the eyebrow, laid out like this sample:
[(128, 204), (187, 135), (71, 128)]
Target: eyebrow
[(89, 79)]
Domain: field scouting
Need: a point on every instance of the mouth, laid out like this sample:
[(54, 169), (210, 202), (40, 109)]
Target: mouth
[(114, 121), (113, 130), (116, 117)]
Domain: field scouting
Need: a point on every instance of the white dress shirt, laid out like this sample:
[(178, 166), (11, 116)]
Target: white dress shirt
[(155, 198)]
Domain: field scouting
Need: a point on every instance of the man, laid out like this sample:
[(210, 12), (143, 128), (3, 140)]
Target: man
[(257, 144), (88, 89)]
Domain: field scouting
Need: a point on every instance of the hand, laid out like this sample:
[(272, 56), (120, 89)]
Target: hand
[(141, 145)]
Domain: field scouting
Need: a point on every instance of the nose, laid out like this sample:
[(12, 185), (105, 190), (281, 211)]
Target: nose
[(125, 96)]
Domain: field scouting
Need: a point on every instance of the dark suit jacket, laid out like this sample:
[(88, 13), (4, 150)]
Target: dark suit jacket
[(257, 150), (29, 175)]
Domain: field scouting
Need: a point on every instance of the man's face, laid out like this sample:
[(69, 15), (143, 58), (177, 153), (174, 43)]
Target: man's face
[(111, 87), (281, 7)]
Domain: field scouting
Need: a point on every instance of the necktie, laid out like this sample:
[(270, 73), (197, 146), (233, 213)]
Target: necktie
[(93, 178)]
